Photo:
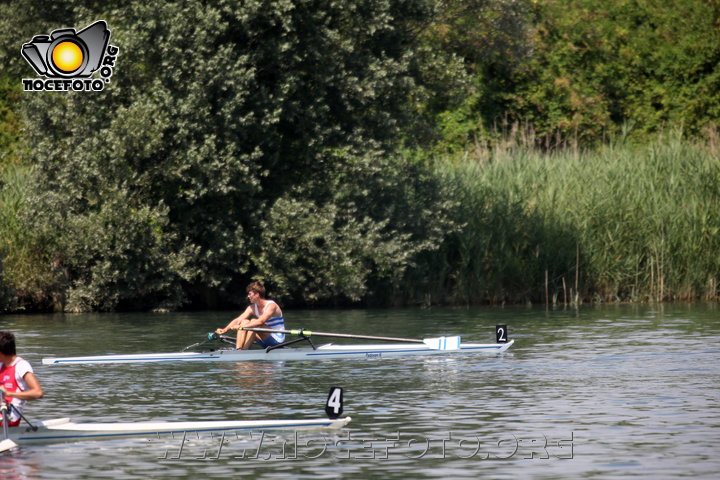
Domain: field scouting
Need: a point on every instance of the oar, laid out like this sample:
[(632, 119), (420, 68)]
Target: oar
[(7, 443), (440, 343)]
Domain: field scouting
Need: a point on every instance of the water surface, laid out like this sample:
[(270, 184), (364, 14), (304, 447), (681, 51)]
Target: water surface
[(611, 392)]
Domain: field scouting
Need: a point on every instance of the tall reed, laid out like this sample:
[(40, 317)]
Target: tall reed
[(618, 223)]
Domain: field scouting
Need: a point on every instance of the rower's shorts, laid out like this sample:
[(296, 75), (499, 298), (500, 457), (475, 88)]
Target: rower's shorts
[(270, 341)]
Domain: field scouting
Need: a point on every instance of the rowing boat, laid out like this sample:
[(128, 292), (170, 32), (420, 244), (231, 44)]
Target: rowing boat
[(64, 430), (321, 352), (450, 345)]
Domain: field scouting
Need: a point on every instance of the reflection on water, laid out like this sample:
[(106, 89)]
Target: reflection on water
[(15, 466), (252, 376), (603, 393)]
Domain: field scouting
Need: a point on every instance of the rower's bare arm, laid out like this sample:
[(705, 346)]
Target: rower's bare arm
[(235, 323), (33, 392)]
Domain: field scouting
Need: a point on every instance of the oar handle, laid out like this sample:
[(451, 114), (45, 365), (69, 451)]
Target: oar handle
[(4, 415), (308, 333)]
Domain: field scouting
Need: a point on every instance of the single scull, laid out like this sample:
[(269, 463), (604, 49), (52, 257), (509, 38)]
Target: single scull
[(322, 352), (64, 430), (413, 347)]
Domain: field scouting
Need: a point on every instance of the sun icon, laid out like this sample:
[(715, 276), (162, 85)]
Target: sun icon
[(67, 56)]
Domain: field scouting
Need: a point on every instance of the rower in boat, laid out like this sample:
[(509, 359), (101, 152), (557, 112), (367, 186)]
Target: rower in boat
[(447, 345), (18, 384), (267, 314)]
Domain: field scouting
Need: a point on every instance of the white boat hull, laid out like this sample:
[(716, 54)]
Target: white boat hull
[(64, 430), (322, 352)]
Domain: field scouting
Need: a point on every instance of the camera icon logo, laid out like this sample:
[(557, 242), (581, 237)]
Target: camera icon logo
[(67, 54)]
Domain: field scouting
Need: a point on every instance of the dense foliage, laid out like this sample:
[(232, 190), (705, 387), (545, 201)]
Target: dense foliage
[(223, 124), (582, 70), (350, 151)]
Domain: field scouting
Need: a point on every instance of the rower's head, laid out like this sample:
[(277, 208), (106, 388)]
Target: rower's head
[(255, 289), (7, 344)]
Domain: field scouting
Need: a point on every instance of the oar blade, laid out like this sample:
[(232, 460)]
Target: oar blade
[(443, 343), (7, 444)]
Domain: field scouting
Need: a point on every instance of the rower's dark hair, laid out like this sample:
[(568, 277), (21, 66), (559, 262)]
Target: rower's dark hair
[(7, 343), (256, 287)]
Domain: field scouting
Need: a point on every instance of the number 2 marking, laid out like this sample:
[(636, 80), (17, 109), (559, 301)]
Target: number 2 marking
[(501, 334)]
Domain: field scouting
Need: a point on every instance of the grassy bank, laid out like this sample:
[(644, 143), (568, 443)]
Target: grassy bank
[(619, 223)]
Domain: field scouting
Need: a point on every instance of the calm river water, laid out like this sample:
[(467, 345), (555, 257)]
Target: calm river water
[(607, 392)]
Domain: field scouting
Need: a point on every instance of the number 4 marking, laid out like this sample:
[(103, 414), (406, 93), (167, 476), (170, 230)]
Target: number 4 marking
[(334, 404)]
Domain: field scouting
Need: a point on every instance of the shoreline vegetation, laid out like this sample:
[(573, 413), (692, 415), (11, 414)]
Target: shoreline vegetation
[(381, 153), (617, 223)]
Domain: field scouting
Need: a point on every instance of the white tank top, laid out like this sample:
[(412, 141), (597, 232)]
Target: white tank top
[(277, 323)]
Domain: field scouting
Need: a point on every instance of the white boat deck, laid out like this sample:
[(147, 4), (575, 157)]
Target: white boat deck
[(63, 430)]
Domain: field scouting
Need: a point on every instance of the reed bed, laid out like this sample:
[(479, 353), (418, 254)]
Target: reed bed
[(618, 223)]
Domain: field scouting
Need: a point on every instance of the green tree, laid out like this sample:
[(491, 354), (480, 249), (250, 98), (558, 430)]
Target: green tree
[(574, 71), (467, 79), (158, 190), (598, 65), (355, 231)]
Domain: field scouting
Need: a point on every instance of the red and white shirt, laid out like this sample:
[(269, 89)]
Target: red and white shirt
[(12, 380)]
